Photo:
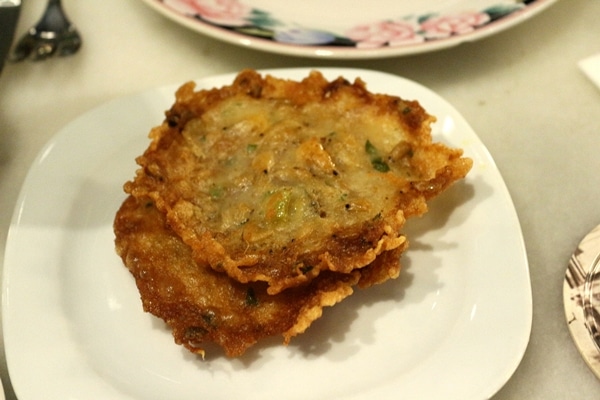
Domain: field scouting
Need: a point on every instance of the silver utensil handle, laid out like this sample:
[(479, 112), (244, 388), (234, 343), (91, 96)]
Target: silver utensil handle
[(9, 17)]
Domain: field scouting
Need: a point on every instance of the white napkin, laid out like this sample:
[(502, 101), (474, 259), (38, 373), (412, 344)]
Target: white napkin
[(591, 68)]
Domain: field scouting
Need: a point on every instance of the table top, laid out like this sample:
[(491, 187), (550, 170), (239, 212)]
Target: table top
[(520, 90)]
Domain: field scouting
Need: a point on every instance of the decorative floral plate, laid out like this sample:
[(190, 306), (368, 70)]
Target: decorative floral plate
[(350, 28)]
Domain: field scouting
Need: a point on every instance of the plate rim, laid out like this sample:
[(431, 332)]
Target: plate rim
[(341, 53)]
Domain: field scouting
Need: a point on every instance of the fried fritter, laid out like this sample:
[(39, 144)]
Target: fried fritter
[(275, 180), (202, 305)]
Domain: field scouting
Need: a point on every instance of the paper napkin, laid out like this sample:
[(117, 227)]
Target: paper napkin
[(591, 68)]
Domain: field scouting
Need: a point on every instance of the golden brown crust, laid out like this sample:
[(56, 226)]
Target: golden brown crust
[(259, 203), (201, 305), (276, 181)]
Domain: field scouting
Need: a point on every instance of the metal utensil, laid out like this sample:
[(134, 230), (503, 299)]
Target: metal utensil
[(52, 35), (581, 298), (9, 15)]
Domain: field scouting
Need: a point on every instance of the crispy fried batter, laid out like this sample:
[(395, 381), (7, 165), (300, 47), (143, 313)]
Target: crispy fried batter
[(202, 305), (276, 181)]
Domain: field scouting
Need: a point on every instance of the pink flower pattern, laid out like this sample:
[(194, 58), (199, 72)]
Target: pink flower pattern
[(219, 12), (458, 24), (392, 33), (405, 32), (237, 16)]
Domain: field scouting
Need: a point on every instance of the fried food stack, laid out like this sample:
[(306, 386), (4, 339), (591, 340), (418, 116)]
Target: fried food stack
[(261, 202)]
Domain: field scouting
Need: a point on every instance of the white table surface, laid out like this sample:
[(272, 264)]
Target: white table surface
[(521, 91)]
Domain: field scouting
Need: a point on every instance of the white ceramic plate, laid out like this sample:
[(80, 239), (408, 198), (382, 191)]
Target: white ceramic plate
[(453, 326), (348, 29)]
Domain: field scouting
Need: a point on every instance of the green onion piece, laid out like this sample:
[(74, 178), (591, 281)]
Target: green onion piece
[(376, 160), (380, 165), (370, 149), (278, 205), (216, 192)]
